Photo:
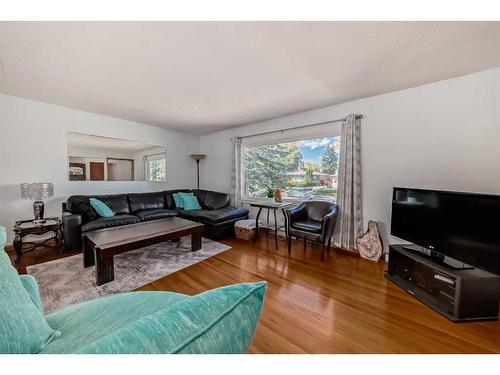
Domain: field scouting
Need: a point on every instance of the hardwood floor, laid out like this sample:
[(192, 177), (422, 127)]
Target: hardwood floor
[(344, 305)]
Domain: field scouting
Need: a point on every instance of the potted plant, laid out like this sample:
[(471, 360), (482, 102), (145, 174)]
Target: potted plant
[(270, 193)]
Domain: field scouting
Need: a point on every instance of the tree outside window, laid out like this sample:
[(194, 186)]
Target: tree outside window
[(156, 167), (304, 169), (157, 170)]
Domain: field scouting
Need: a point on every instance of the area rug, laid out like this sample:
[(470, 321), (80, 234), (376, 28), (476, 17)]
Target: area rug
[(65, 282)]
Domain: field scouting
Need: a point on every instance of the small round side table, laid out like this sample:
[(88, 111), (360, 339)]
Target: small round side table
[(26, 227)]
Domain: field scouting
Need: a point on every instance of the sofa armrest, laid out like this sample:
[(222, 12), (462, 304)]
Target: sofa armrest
[(29, 283), (72, 231)]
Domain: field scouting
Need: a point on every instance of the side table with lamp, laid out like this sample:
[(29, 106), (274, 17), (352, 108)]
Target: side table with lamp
[(38, 192)]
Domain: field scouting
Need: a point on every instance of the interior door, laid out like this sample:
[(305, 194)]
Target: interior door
[(96, 171)]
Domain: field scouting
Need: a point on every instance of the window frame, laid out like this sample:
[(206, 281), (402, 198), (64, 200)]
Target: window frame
[(286, 136)]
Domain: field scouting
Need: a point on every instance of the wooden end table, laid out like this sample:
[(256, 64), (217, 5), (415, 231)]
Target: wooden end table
[(274, 206), (24, 228)]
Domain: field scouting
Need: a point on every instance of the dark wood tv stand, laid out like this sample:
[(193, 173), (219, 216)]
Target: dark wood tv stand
[(459, 293)]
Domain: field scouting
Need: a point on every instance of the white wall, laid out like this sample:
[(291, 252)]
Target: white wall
[(33, 148), (445, 135)]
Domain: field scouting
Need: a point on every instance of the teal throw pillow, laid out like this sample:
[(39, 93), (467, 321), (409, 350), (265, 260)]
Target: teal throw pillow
[(221, 320), (101, 208), (177, 200), (179, 203), (23, 326), (190, 202)]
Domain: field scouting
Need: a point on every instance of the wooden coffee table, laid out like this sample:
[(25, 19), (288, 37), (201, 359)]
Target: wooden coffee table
[(100, 246)]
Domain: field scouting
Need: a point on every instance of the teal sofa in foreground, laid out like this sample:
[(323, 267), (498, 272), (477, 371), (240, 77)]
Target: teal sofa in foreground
[(222, 320)]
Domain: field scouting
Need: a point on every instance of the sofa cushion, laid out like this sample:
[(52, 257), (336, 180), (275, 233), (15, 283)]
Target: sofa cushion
[(101, 208), (190, 202), (22, 324), (31, 286), (169, 199), (177, 200), (214, 200), (118, 203), (214, 216), (218, 321), (87, 322), (108, 222), (79, 204), (146, 201), (307, 225), (155, 214)]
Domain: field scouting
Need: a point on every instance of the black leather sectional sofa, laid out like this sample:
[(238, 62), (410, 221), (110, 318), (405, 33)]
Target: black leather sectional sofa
[(79, 217)]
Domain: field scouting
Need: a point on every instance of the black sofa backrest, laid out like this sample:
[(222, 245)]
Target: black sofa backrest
[(73, 201), (134, 202), (117, 202), (146, 201), (211, 200), (79, 204)]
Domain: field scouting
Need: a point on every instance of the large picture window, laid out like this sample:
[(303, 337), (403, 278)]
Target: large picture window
[(305, 169)]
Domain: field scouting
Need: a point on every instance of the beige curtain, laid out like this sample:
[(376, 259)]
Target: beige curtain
[(349, 199), (236, 181)]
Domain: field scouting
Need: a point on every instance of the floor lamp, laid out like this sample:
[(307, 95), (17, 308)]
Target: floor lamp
[(198, 157)]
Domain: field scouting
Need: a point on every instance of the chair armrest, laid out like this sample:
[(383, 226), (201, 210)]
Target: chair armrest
[(29, 283), (328, 224), (296, 213), (72, 230)]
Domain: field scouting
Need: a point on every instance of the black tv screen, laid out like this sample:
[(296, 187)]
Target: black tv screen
[(463, 226)]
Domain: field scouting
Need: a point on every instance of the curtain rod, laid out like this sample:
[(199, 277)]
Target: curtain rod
[(298, 127)]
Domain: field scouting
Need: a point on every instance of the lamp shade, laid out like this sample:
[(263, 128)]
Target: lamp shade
[(37, 191), (198, 156)]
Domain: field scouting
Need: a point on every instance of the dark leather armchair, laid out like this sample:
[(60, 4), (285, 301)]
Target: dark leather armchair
[(312, 221)]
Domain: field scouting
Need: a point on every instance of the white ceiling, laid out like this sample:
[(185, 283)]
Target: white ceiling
[(201, 77)]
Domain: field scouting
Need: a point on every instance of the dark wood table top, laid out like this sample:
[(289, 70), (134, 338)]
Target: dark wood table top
[(116, 236)]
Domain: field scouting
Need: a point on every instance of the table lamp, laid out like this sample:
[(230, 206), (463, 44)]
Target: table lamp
[(38, 192)]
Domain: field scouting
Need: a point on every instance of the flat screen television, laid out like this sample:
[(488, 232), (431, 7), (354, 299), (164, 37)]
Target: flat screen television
[(463, 226)]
